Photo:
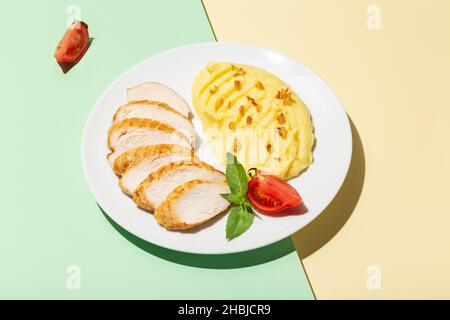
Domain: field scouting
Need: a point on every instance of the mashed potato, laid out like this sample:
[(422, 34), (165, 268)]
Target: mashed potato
[(255, 115)]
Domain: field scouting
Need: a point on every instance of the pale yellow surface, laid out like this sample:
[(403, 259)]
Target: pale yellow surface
[(393, 211), (255, 115)]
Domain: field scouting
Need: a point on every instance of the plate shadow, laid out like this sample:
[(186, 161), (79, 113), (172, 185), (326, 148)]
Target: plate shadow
[(321, 230), (210, 261)]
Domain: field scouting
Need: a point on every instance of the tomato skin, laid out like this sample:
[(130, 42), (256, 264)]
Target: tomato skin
[(73, 44), (270, 194)]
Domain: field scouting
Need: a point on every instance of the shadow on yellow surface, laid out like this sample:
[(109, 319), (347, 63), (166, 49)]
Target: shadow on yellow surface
[(210, 261), (327, 225)]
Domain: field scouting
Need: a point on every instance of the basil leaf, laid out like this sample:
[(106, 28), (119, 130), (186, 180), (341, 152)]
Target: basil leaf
[(233, 198), (247, 205), (239, 220), (236, 176)]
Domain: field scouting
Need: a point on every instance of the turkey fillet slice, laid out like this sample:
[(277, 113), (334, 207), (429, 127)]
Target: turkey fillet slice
[(192, 204), (158, 111), (136, 164), (157, 186), (159, 92), (132, 133)]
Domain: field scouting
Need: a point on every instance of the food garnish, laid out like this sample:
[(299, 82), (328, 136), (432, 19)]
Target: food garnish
[(266, 193), (241, 215), (214, 89), (259, 85), (286, 96), (270, 194), (73, 44), (252, 101), (239, 72), (282, 132), (281, 119)]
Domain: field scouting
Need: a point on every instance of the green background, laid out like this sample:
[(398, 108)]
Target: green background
[(49, 219)]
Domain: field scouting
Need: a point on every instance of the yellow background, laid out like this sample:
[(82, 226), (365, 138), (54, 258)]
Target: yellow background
[(393, 211)]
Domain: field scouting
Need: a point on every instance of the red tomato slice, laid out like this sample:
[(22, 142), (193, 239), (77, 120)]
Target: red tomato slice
[(270, 194), (74, 43)]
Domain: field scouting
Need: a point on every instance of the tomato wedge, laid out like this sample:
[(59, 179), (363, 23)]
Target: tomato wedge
[(74, 43), (270, 194)]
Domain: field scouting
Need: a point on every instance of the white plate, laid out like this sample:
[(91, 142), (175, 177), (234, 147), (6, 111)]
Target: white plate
[(177, 68)]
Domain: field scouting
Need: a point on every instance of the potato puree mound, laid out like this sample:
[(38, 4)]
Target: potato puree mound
[(255, 115)]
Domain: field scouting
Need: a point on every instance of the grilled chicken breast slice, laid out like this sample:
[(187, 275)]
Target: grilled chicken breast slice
[(158, 111), (159, 92), (158, 185), (136, 164), (128, 134), (192, 204)]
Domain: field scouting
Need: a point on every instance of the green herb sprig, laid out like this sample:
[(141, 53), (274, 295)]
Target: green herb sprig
[(241, 215)]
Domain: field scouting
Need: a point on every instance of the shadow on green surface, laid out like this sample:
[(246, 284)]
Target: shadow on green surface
[(217, 261)]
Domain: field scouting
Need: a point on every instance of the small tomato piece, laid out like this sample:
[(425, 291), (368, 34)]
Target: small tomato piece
[(74, 43), (270, 194)]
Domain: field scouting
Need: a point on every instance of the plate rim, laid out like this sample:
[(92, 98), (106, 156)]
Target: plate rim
[(261, 244)]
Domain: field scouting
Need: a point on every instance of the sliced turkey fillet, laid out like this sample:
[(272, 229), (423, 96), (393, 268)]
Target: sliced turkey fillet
[(192, 204), (158, 111), (134, 157), (133, 133), (159, 92), (143, 161), (158, 185)]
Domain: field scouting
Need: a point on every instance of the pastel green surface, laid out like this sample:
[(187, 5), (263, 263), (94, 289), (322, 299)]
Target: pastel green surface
[(49, 219)]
